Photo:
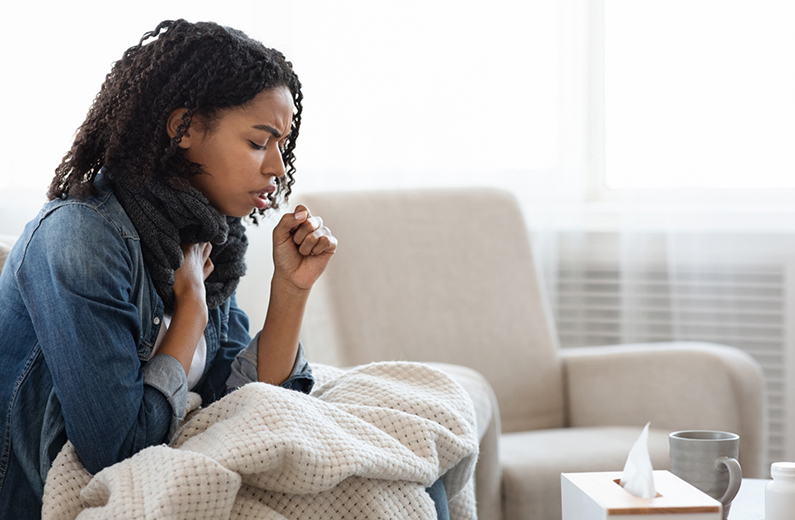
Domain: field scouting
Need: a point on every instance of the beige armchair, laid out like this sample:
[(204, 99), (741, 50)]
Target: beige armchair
[(447, 276)]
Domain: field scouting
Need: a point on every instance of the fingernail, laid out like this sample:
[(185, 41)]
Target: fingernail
[(301, 215)]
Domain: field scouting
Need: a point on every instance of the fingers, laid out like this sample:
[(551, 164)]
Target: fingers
[(190, 275), (306, 228), (199, 255), (203, 249), (313, 238), (306, 232), (208, 268), (289, 223), (207, 264), (199, 252), (318, 242), (301, 213)]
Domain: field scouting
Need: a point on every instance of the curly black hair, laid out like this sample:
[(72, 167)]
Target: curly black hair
[(201, 67)]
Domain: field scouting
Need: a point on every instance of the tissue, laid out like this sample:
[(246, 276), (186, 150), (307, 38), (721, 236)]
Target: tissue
[(637, 477)]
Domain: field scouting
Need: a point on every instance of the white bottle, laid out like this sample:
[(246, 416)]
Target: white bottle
[(780, 493)]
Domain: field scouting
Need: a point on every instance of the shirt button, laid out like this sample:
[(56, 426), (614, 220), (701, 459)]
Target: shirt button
[(156, 321)]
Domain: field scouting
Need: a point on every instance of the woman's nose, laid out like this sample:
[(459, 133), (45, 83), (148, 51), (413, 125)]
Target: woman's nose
[(273, 164)]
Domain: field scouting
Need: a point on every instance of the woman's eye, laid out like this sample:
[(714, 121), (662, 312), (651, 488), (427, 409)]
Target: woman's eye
[(257, 146)]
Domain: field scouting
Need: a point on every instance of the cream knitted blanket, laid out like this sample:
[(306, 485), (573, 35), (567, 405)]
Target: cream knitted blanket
[(365, 444)]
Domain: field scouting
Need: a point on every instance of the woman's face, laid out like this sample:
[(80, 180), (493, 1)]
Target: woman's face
[(241, 155)]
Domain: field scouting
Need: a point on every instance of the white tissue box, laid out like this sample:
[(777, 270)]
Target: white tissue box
[(599, 496)]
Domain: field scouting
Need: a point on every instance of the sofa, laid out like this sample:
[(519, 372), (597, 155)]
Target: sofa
[(447, 276)]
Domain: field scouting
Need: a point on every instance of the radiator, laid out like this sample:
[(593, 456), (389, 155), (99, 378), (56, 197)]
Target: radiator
[(745, 306)]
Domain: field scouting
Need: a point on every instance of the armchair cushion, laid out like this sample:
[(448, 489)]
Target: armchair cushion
[(532, 462)]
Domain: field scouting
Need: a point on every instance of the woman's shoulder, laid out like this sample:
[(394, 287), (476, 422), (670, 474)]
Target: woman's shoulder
[(94, 214), (70, 228)]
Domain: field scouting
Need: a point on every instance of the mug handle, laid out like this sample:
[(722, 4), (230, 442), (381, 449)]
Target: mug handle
[(735, 478)]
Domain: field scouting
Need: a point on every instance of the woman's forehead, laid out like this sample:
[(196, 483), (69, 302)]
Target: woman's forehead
[(269, 104)]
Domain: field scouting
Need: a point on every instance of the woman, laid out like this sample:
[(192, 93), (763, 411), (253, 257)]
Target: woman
[(119, 297)]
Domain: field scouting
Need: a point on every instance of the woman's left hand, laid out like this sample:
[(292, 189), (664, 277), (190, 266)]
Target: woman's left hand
[(302, 248)]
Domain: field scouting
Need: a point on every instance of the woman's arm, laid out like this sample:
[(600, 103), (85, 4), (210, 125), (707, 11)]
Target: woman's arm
[(189, 318), (302, 248), (235, 364), (78, 280)]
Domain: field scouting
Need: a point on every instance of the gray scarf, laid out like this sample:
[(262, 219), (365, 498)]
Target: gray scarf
[(166, 216)]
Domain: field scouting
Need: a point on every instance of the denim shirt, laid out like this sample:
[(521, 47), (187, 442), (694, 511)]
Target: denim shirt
[(79, 316)]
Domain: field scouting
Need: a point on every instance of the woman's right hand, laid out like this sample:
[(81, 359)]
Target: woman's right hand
[(189, 277), (190, 307)]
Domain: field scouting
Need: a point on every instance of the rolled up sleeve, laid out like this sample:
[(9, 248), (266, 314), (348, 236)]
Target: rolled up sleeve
[(165, 374), (244, 370)]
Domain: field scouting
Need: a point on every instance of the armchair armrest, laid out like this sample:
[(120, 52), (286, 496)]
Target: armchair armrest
[(676, 386)]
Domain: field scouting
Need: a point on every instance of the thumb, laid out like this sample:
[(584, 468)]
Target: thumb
[(290, 222), (300, 214)]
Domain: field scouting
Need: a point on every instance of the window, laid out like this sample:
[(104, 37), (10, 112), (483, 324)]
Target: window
[(699, 94)]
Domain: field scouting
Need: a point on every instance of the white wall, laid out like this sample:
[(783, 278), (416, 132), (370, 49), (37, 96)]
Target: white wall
[(397, 94)]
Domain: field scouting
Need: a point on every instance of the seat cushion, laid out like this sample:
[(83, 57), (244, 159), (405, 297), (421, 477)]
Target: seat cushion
[(533, 461)]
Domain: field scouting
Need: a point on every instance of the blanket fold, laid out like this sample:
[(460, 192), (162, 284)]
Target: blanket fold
[(365, 444)]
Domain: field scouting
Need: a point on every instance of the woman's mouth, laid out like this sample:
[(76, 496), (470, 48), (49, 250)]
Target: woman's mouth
[(260, 199)]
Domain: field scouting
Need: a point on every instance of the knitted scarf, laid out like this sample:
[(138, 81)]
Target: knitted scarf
[(166, 216)]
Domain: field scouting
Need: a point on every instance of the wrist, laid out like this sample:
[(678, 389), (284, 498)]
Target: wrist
[(193, 306), (285, 287)]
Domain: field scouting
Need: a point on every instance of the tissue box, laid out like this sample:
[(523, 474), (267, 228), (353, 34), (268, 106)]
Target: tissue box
[(599, 496)]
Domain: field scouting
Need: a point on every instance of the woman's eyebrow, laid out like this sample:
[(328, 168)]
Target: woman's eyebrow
[(266, 128), (275, 133)]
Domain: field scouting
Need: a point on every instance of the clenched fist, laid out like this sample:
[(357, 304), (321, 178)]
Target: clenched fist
[(302, 248)]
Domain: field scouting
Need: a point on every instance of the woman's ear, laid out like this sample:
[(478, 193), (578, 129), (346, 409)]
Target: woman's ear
[(174, 121)]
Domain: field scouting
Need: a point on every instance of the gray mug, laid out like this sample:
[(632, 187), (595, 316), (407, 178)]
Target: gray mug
[(708, 460)]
